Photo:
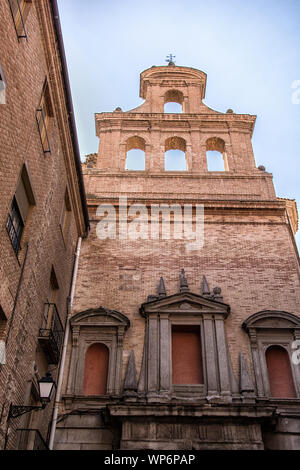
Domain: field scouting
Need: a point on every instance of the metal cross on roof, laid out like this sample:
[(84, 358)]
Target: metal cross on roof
[(170, 58)]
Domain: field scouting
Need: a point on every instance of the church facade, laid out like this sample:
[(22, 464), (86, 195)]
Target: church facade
[(186, 316)]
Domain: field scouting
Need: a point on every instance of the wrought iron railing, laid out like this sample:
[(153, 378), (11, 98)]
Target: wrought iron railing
[(40, 119), (14, 235), (51, 335), (31, 439)]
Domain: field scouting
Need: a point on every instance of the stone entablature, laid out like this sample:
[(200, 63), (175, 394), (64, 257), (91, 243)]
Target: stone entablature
[(193, 427)]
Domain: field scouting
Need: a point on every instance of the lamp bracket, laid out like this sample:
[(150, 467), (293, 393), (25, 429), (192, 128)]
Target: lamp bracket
[(18, 410)]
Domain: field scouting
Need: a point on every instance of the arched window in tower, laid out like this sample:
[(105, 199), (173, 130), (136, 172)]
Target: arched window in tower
[(175, 157), (173, 100), (135, 153), (96, 370), (280, 373), (215, 154)]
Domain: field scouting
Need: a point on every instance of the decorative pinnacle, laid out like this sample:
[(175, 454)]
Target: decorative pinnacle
[(183, 284), (161, 288), (205, 290), (130, 382), (170, 58)]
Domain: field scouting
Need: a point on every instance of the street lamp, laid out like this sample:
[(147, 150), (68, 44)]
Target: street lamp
[(46, 388)]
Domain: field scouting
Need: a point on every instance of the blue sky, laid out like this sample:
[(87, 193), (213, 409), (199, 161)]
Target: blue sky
[(249, 50)]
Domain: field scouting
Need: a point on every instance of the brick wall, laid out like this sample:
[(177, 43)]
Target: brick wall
[(250, 256)]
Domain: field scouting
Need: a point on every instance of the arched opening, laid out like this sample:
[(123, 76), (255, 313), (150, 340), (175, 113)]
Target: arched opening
[(96, 370), (175, 157), (173, 101), (280, 373), (215, 161), (215, 154), (135, 153), (172, 108)]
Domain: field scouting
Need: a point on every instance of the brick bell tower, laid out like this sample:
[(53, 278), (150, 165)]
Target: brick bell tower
[(173, 347)]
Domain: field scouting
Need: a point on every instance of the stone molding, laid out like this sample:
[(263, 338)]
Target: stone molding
[(98, 325), (268, 328), (185, 308)]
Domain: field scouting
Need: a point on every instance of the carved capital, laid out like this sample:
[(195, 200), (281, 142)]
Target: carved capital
[(253, 337)]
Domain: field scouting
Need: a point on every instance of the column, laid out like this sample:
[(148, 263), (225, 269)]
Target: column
[(153, 353), (165, 379), (211, 367), (222, 357), (73, 360)]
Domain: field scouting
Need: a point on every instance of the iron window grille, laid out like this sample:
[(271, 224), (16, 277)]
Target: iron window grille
[(51, 335), (15, 226)]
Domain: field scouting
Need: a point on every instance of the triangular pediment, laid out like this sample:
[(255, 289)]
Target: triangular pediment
[(185, 303)]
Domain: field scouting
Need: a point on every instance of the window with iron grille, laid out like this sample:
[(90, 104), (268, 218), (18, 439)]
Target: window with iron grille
[(15, 226), (19, 11), (51, 333), (21, 202)]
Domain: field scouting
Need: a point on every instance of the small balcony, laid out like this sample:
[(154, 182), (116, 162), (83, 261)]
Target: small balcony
[(31, 439), (51, 336)]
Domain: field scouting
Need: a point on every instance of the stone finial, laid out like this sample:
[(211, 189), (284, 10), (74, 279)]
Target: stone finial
[(183, 284), (229, 111), (205, 291), (217, 294), (161, 290), (130, 382), (261, 168), (246, 384), (118, 110)]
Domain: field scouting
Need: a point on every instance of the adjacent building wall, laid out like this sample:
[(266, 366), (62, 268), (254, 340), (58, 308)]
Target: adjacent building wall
[(28, 64)]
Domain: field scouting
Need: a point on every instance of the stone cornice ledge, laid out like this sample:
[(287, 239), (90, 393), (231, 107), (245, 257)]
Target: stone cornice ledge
[(193, 410)]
